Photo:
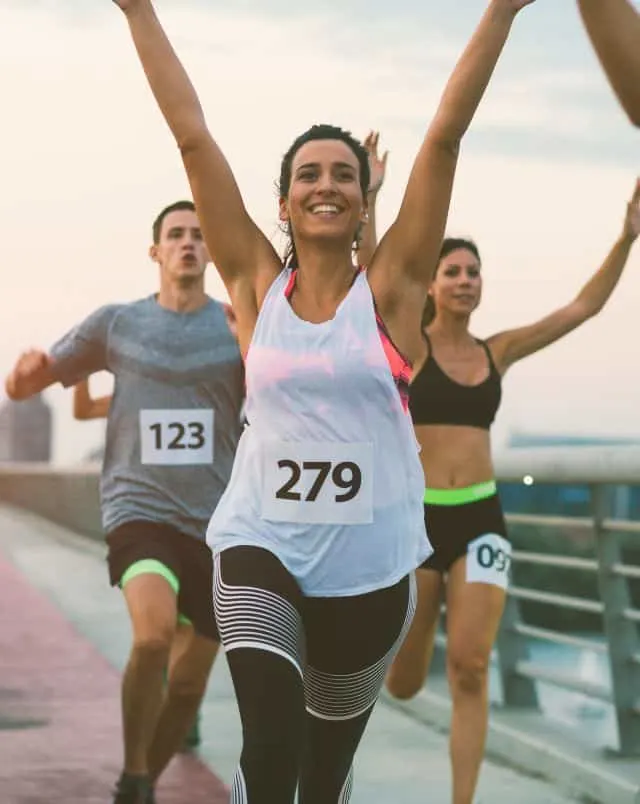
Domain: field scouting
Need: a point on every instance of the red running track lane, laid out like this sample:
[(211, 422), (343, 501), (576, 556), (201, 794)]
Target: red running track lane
[(59, 712)]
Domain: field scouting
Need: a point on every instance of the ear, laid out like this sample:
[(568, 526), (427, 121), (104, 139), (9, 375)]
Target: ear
[(153, 253), (283, 211)]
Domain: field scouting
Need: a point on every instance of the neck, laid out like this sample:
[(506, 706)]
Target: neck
[(452, 328), (182, 298), (324, 274)]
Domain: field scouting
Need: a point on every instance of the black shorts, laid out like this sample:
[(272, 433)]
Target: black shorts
[(189, 559), (452, 528)]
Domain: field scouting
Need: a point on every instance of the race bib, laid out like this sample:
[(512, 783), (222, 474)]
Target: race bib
[(315, 483), (489, 560), (176, 437)]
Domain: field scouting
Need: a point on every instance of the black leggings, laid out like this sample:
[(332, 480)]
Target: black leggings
[(306, 671)]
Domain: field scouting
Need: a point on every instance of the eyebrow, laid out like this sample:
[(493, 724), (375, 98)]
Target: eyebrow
[(334, 164)]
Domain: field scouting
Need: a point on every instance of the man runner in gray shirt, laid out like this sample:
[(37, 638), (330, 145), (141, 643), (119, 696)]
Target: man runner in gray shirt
[(172, 430)]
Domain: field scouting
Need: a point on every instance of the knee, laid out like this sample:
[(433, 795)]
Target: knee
[(468, 673), (403, 686), (152, 649)]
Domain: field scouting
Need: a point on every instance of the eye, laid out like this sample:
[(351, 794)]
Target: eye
[(306, 175)]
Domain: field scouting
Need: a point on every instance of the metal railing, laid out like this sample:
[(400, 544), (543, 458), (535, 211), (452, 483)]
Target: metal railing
[(602, 471), (70, 497)]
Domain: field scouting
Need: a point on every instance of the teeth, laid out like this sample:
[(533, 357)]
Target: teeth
[(324, 208)]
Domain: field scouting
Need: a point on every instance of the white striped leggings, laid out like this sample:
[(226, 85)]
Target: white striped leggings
[(306, 672)]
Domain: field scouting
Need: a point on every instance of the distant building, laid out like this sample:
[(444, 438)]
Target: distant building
[(26, 430)]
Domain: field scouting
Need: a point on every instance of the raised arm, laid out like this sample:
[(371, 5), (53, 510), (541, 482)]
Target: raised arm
[(85, 407), (409, 249), (511, 346), (614, 29), (236, 245), (377, 170)]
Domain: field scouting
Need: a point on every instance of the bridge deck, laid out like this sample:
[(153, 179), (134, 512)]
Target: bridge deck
[(63, 641)]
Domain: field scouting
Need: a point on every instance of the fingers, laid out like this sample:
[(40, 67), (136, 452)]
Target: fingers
[(371, 143), (31, 360)]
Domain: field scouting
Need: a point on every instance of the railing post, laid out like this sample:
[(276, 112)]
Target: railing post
[(621, 634), (511, 647)]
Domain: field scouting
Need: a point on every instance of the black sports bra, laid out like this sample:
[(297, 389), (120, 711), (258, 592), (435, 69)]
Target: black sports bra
[(434, 398)]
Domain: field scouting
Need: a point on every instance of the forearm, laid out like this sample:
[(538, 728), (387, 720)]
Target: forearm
[(472, 74), (614, 29), (599, 288), (369, 234), (167, 78)]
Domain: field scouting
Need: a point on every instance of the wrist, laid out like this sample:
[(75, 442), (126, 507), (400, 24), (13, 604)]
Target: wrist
[(137, 9), (503, 10)]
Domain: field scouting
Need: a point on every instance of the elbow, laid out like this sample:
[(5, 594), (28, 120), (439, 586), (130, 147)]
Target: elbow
[(447, 143), (583, 310), (446, 134), (443, 140), (192, 139)]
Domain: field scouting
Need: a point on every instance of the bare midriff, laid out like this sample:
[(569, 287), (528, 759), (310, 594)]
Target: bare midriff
[(454, 457)]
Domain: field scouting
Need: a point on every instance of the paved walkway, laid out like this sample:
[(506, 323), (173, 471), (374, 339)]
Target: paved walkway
[(63, 641)]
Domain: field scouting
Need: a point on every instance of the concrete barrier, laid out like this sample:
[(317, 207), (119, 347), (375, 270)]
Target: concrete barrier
[(70, 496)]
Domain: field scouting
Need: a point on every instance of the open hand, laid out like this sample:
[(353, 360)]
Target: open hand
[(377, 164)]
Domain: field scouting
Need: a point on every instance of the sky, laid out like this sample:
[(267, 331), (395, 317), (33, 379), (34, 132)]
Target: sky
[(544, 176)]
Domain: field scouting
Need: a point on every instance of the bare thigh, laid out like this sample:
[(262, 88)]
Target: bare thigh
[(410, 667)]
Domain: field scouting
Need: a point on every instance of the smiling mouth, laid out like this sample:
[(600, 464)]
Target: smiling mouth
[(325, 210)]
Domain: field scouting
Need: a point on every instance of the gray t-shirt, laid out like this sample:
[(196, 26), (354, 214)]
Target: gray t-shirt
[(174, 420)]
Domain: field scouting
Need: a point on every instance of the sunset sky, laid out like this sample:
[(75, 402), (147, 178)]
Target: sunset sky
[(543, 179)]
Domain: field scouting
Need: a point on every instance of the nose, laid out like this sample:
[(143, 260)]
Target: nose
[(325, 183)]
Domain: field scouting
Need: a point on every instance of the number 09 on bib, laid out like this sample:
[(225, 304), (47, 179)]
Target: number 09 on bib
[(316, 483)]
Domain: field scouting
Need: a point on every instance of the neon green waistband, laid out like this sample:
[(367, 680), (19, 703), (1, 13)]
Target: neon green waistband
[(469, 494)]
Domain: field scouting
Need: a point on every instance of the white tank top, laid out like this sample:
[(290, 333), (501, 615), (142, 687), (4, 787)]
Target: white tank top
[(327, 474)]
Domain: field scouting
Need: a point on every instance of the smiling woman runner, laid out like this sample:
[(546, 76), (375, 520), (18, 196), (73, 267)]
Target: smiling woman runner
[(454, 397), (321, 527)]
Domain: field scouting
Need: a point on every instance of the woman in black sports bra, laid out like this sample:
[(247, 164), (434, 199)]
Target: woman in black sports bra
[(454, 397)]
